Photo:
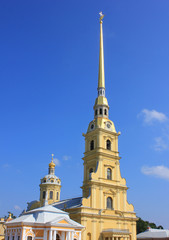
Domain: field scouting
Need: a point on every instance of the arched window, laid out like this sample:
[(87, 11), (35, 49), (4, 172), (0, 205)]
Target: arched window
[(109, 174), (90, 173), (29, 237), (89, 236), (44, 194), (57, 196), (101, 111), (51, 195), (108, 144), (92, 145), (109, 203), (96, 112), (57, 237), (105, 111)]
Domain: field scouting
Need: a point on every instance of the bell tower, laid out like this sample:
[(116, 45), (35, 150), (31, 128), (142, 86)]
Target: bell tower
[(106, 212), (50, 185)]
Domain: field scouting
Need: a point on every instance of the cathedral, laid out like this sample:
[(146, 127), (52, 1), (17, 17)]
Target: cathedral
[(103, 208)]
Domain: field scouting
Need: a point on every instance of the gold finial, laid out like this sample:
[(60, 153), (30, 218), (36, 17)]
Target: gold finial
[(101, 16), (51, 164)]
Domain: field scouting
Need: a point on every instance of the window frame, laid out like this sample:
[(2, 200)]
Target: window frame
[(51, 194), (109, 173), (91, 145), (108, 144), (109, 203), (44, 194)]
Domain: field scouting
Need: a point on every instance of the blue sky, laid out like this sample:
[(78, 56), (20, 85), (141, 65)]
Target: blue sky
[(49, 54)]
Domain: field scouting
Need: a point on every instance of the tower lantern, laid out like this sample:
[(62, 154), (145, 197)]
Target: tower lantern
[(51, 167), (50, 186)]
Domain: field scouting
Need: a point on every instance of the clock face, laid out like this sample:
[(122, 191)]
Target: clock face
[(92, 126), (108, 125)]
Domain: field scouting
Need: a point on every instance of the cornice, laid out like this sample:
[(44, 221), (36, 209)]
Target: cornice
[(96, 152), (97, 183)]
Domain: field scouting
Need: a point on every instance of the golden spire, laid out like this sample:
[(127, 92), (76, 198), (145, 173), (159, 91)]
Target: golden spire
[(101, 79)]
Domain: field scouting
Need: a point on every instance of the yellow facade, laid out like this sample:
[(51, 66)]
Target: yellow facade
[(2, 228), (105, 212)]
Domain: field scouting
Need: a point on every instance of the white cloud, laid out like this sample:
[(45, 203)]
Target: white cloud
[(160, 144), (150, 116), (56, 161), (6, 165), (65, 157), (156, 171), (16, 207)]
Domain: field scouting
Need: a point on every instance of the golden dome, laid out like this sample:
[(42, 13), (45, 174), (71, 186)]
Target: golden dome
[(51, 164)]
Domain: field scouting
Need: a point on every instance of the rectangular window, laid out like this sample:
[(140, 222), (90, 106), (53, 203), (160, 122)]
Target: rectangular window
[(44, 194), (100, 110), (51, 194)]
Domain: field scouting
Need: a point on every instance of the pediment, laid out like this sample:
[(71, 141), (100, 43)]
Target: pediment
[(110, 192), (63, 221)]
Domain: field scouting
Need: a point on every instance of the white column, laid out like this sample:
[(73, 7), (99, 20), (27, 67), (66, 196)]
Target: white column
[(16, 234), (45, 235), (63, 236), (67, 236), (50, 234), (54, 235), (72, 236), (10, 235), (23, 235)]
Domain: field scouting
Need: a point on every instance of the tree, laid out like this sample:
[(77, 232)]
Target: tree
[(143, 225)]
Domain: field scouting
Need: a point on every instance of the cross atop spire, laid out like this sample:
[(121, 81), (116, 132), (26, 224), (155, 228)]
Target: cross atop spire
[(101, 16)]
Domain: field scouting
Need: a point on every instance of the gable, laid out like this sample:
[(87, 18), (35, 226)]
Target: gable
[(63, 222)]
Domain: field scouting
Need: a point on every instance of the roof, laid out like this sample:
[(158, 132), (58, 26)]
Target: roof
[(113, 230), (69, 203), (47, 215), (153, 233)]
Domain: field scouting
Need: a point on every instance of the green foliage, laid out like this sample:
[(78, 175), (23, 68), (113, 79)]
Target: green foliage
[(143, 225), (12, 216)]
